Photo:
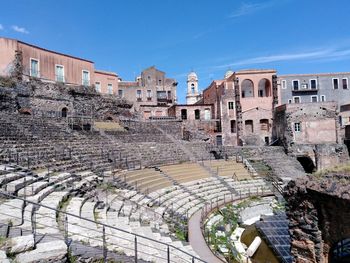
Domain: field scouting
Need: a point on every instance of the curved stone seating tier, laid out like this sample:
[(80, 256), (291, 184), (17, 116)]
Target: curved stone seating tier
[(229, 168), (186, 201), (146, 180), (182, 173)]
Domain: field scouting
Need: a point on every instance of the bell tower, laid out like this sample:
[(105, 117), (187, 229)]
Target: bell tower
[(192, 95)]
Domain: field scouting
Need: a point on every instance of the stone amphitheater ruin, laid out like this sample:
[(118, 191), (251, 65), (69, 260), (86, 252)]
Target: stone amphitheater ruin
[(93, 183)]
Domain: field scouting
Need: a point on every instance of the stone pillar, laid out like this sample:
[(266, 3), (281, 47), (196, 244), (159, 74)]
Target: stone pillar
[(274, 91), (18, 65), (239, 118)]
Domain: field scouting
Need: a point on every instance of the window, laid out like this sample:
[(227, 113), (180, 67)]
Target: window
[(110, 88), (297, 127), (296, 99), (314, 99), (335, 83), (289, 101), (86, 78), (284, 84), (149, 95), (295, 84), (231, 105), (345, 83), (121, 93), (207, 114), (233, 126), (323, 98), (169, 94), (139, 95), (264, 125), (98, 86), (34, 67), (192, 88), (183, 114), (313, 83), (197, 114), (59, 72)]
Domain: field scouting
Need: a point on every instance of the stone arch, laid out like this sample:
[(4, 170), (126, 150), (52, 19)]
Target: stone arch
[(340, 252), (264, 88), (247, 88), (307, 163), (64, 112)]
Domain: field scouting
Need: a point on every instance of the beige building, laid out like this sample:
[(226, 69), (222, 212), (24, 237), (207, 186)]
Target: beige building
[(152, 93)]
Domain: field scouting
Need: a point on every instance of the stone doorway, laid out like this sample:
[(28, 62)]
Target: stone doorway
[(307, 163)]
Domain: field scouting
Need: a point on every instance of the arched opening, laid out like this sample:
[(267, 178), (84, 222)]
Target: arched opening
[(109, 118), (197, 114), (340, 252), (264, 88), (26, 113), (264, 125), (249, 127), (184, 114), (307, 164), (247, 88), (192, 88), (64, 112)]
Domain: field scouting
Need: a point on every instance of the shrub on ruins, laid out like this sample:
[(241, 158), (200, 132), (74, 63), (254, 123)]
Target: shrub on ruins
[(8, 82)]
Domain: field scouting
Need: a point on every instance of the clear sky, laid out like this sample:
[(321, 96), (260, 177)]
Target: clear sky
[(208, 36)]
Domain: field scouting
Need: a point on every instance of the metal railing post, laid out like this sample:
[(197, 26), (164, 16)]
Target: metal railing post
[(168, 254), (135, 248), (104, 244), (66, 229)]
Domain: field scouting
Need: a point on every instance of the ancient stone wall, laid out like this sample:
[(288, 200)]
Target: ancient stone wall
[(39, 97), (319, 213)]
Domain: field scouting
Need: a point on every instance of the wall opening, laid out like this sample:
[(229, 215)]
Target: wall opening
[(307, 164), (249, 128), (184, 114), (64, 112), (247, 88), (219, 140), (264, 88), (197, 114)]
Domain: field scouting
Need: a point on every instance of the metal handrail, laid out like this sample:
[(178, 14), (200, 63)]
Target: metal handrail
[(100, 224)]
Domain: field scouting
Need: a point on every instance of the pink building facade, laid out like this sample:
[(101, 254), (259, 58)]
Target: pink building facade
[(52, 66)]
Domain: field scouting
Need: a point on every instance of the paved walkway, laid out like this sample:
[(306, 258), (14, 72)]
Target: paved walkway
[(197, 240)]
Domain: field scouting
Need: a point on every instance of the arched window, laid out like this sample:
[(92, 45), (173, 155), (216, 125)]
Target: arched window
[(192, 88), (64, 112), (264, 88), (247, 88)]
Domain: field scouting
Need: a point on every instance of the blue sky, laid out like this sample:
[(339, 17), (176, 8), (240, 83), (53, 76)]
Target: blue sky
[(210, 37)]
